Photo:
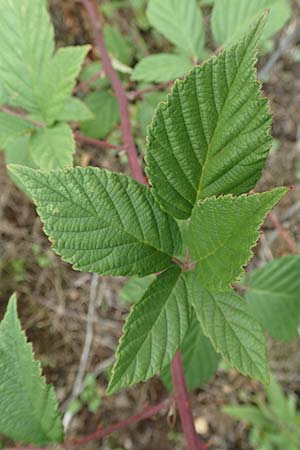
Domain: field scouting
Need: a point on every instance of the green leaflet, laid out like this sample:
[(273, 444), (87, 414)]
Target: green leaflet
[(222, 232), (75, 111), (153, 331), (101, 221), (52, 148), (26, 46), (28, 406), (12, 127), (211, 136), (117, 44), (231, 17), (104, 106), (135, 288), (161, 67), (273, 298), (200, 360), (181, 22), (32, 76), (233, 331)]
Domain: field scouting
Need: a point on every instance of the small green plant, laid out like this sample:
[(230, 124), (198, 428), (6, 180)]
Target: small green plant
[(275, 424), (90, 396), (186, 236)]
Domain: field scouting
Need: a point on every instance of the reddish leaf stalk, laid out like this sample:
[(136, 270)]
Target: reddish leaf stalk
[(283, 233), (181, 397), (96, 20), (95, 142)]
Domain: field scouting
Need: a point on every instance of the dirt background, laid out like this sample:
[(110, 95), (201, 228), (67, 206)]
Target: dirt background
[(53, 299)]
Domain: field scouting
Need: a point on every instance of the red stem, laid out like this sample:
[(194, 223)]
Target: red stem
[(96, 19), (95, 142), (185, 412), (283, 233), (102, 432)]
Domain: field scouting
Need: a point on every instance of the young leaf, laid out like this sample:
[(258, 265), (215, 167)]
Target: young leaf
[(58, 80), (153, 331), (102, 221), (117, 44), (200, 360), (234, 333), (218, 117), (231, 17), (18, 152), (26, 46), (181, 22), (222, 233), (12, 127), (272, 296), (161, 67), (75, 111), (104, 106), (52, 148), (28, 405)]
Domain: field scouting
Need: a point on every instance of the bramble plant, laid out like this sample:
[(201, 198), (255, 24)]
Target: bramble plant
[(186, 236)]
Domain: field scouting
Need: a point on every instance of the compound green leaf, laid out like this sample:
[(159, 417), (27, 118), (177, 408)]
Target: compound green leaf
[(102, 221), (104, 106), (28, 405), (233, 331), (273, 296), (52, 148), (200, 360), (59, 80), (26, 46), (75, 111), (222, 233), (211, 136), (12, 127), (153, 331), (161, 67), (231, 17), (181, 22)]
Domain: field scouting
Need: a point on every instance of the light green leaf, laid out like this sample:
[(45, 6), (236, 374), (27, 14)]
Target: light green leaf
[(26, 46), (218, 117), (234, 333), (117, 44), (52, 148), (153, 331), (95, 72), (12, 127), (273, 296), (161, 67), (28, 406), (181, 22), (231, 17), (18, 152), (75, 110), (59, 80), (222, 233), (104, 106), (200, 360), (135, 288), (146, 109), (102, 221)]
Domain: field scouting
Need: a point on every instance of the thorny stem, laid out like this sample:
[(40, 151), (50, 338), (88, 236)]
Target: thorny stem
[(283, 233), (95, 142), (96, 20)]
